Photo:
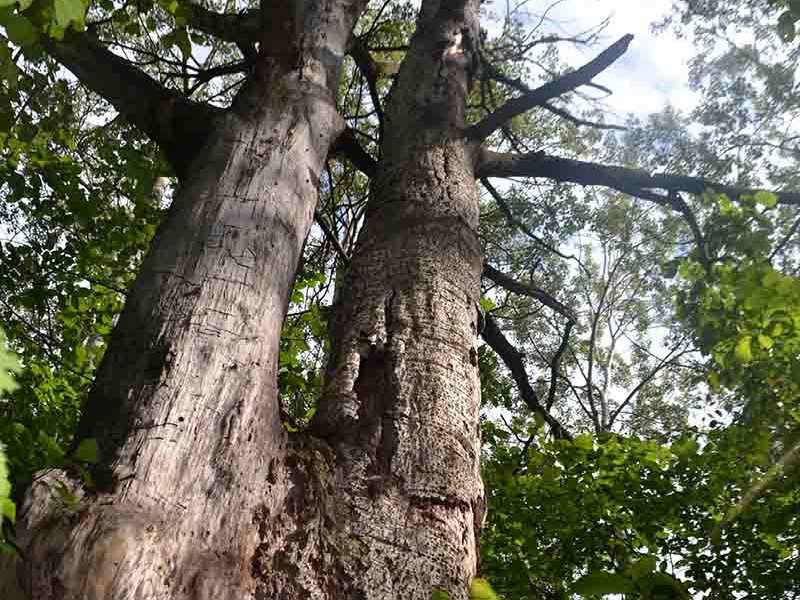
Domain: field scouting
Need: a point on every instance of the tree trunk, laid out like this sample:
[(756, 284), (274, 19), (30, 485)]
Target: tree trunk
[(402, 396), (184, 406), (201, 493)]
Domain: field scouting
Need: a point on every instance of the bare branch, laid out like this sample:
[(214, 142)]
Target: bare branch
[(514, 222), (371, 71), (517, 287), (207, 75), (513, 360), (668, 360), (786, 239), (681, 206), (348, 146), (174, 122), (550, 90), (240, 28), (636, 182), (494, 73), (593, 336), (330, 235), (556, 363), (578, 122)]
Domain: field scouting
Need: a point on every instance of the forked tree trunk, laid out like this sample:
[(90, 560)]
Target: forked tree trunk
[(204, 495)]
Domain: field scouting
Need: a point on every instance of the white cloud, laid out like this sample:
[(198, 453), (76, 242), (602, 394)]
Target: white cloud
[(654, 71)]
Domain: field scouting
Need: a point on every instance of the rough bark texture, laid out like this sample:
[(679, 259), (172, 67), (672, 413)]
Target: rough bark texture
[(402, 398), (184, 405)]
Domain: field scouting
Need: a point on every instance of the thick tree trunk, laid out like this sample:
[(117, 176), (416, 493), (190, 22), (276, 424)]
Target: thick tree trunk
[(185, 405), (401, 404), (202, 494)]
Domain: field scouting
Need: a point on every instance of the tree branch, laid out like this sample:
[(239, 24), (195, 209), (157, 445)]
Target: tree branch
[(513, 360), (636, 182), (494, 73), (241, 29), (539, 96), (514, 222), (330, 235), (556, 363), (668, 360), (578, 122), (177, 124), (371, 71), (348, 146), (517, 287)]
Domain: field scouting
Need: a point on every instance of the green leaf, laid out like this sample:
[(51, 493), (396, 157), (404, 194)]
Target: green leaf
[(685, 448), (5, 485), (479, 589), (8, 509), (583, 441), (725, 205), (713, 381), (8, 365), (54, 452), (743, 351), (87, 451), (538, 418), (438, 594), (20, 31), (68, 11), (486, 304), (765, 341), (663, 585), (599, 583), (4, 3), (643, 567), (551, 473), (183, 43), (767, 199), (771, 278)]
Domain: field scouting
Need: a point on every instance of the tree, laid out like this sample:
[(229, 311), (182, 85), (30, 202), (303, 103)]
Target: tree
[(200, 492)]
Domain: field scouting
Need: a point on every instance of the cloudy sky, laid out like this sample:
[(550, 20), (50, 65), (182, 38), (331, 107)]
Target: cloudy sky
[(652, 74)]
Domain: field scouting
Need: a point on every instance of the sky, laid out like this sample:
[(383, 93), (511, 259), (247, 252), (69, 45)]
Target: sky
[(654, 71), (651, 75)]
